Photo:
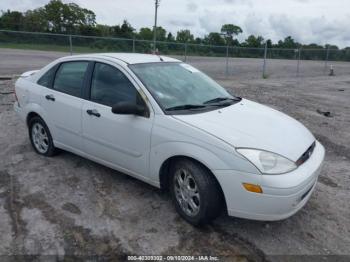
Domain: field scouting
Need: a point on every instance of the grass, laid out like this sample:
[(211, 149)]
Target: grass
[(84, 49), (57, 48), (76, 49), (35, 47)]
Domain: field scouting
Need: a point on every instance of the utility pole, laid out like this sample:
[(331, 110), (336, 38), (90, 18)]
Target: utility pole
[(157, 2)]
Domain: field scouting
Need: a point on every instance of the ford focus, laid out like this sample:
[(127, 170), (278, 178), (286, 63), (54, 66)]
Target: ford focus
[(168, 124)]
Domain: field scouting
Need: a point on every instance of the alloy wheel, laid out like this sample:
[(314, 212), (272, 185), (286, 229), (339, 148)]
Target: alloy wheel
[(40, 138), (186, 192)]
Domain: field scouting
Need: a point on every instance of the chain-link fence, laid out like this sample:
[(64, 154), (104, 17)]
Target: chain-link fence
[(217, 61)]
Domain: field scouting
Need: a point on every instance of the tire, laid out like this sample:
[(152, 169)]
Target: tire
[(203, 195), (40, 137)]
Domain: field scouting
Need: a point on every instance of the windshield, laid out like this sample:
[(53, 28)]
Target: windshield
[(179, 85)]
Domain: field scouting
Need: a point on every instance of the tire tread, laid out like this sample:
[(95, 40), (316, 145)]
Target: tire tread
[(211, 203), (52, 150)]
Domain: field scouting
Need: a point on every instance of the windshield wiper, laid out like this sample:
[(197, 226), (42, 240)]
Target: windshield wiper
[(222, 99), (184, 107), (219, 101)]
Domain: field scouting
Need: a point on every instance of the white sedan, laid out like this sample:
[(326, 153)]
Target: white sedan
[(168, 124)]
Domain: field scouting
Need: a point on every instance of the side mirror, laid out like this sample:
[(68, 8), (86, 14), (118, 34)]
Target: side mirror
[(127, 108)]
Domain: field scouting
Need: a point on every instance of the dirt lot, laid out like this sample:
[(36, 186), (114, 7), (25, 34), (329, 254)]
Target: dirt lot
[(67, 205)]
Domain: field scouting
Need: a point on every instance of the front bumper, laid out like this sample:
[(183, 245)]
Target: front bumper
[(283, 195)]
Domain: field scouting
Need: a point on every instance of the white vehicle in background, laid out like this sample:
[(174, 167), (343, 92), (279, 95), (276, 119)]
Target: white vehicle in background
[(166, 123)]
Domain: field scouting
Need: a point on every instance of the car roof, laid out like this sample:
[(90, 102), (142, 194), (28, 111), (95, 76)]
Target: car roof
[(130, 58)]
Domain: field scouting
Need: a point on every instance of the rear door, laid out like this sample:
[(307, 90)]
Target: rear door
[(120, 141), (63, 103)]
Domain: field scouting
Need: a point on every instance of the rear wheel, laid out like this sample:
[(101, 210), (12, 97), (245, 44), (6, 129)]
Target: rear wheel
[(40, 137), (195, 192)]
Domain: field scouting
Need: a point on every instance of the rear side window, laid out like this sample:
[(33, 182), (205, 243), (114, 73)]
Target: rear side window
[(46, 78), (70, 77), (110, 86)]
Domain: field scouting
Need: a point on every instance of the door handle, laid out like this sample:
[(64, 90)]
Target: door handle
[(93, 112), (50, 97)]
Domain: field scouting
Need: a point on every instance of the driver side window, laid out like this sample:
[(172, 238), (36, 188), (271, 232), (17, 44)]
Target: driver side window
[(110, 86)]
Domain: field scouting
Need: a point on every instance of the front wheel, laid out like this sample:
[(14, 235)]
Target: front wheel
[(195, 192)]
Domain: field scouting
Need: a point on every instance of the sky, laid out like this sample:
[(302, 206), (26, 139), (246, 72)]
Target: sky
[(307, 21)]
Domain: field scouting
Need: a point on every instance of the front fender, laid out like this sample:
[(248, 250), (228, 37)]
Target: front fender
[(160, 153), (173, 138)]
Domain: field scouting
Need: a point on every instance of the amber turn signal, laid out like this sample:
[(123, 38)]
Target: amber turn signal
[(253, 188)]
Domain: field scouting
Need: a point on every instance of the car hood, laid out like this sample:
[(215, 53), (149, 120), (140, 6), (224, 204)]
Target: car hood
[(252, 125)]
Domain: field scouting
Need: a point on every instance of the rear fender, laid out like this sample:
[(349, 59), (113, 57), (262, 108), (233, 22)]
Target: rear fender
[(36, 108)]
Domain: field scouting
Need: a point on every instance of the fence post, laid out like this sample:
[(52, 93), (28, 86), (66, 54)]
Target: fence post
[(227, 60), (298, 64), (264, 65), (133, 44), (185, 52), (326, 61), (70, 45)]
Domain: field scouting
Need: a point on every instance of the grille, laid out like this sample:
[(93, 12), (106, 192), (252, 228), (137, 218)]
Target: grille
[(304, 157)]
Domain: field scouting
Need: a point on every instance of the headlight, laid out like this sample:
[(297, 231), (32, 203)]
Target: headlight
[(267, 162)]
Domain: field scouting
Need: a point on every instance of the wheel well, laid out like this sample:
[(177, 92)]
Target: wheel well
[(165, 171), (30, 116)]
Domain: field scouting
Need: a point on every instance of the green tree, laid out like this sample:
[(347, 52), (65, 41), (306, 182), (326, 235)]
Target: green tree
[(161, 33), (269, 43), (230, 30), (103, 30), (214, 39), (288, 42), (67, 18), (331, 47), (125, 30), (55, 13), (198, 40), (11, 20), (253, 41), (34, 20), (312, 46), (170, 37), (184, 36), (146, 33)]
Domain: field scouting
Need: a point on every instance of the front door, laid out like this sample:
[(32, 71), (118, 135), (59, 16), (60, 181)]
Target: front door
[(121, 141)]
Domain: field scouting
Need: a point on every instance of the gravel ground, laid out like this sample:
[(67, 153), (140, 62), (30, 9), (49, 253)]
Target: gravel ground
[(68, 205)]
